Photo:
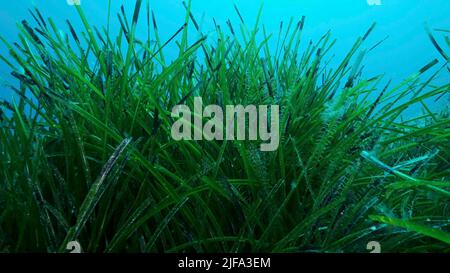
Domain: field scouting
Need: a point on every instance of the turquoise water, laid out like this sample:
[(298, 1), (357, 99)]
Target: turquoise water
[(405, 51)]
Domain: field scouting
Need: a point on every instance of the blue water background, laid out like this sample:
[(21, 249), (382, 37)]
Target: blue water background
[(405, 51)]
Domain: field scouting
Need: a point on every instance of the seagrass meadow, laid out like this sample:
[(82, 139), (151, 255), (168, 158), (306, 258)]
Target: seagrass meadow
[(87, 153)]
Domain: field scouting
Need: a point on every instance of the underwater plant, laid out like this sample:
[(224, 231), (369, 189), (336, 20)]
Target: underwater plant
[(87, 152)]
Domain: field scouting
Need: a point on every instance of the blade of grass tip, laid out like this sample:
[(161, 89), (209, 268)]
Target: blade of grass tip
[(137, 9), (124, 15), (32, 33), (72, 31), (375, 104), (379, 43), (442, 30), (99, 35), (94, 195), (88, 28), (428, 66), (428, 82), (435, 43), (294, 37), (123, 28), (188, 10), (369, 31), (35, 18), (280, 32), (302, 22), (443, 94), (239, 14), (182, 44), (160, 49), (158, 40), (216, 26), (284, 39), (230, 26), (155, 25), (130, 51), (41, 18), (108, 20), (148, 23)]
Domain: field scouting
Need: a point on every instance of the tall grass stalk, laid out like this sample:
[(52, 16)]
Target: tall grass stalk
[(87, 153)]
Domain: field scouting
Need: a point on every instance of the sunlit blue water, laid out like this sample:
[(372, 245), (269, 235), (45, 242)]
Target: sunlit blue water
[(405, 51)]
